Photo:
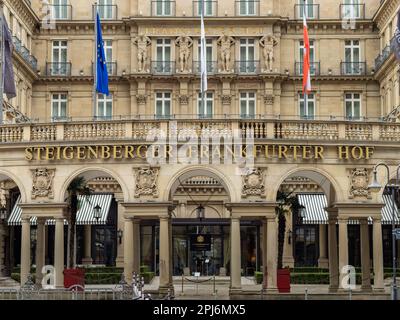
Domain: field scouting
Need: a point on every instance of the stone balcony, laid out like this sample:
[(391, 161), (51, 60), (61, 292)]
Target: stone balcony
[(320, 131)]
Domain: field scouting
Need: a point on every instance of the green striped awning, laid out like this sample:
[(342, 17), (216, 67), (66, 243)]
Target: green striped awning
[(85, 214), (315, 213)]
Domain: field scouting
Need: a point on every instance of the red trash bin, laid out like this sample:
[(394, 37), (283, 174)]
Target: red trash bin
[(74, 277), (284, 280)]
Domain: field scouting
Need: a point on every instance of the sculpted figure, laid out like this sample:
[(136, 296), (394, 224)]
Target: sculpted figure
[(268, 43), (184, 43), (142, 43), (225, 52)]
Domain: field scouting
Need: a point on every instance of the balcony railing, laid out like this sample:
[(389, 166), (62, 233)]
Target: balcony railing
[(212, 67), (314, 68), (61, 12), (111, 68), (106, 11), (138, 128), (24, 53), (210, 8), (247, 8), (248, 67), (385, 54), (163, 8), (311, 10), (353, 68), (61, 69), (352, 11), (163, 67)]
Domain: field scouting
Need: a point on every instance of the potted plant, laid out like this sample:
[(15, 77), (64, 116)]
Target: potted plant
[(287, 202), (73, 275)]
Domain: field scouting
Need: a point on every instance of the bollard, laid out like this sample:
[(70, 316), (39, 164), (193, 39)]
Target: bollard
[(214, 288), (350, 297), (306, 294), (182, 283)]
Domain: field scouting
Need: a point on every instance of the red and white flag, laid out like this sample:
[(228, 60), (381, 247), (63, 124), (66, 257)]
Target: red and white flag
[(306, 58)]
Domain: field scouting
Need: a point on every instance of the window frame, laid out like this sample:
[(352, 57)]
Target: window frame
[(306, 115), (59, 100), (352, 100), (104, 99), (163, 99), (247, 99), (208, 97)]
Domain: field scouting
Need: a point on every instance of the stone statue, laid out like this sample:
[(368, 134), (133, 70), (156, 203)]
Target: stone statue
[(184, 43), (225, 52), (142, 43), (268, 43)]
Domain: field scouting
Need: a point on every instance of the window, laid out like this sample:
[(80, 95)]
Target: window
[(308, 8), (209, 55), (59, 106), (309, 111), (305, 246), (352, 57), (205, 111), (163, 8), (208, 8), (353, 106), (105, 9), (104, 107), (247, 63), (108, 51), (59, 61), (163, 105), (163, 52), (247, 104), (351, 9), (60, 9), (312, 58), (247, 7)]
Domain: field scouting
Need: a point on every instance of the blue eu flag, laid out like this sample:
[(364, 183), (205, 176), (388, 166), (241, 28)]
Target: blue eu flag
[(396, 39), (101, 64)]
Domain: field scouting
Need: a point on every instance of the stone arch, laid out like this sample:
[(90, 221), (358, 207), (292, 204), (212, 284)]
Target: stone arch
[(327, 183), (4, 175), (92, 172), (193, 171)]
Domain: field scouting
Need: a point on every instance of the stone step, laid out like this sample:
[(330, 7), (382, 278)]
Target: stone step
[(6, 282)]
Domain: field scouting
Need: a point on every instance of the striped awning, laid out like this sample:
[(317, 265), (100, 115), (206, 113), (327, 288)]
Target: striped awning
[(85, 214), (315, 213)]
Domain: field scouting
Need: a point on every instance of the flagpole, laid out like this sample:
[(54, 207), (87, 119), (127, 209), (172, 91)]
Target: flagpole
[(2, 61), (304, 46), (95, 63), (202, 57)]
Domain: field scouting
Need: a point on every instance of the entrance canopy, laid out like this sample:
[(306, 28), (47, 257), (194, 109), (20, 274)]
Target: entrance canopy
[(85, 214), (315, 213)]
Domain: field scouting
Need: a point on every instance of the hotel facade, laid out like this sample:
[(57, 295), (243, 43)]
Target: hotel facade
[(150, 213)]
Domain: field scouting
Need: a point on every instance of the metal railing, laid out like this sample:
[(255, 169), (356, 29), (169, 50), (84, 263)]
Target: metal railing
[(383, 56), (353, 68), (212, 67), (58, 69), (352, 11), (24, 53), (247, 67), (211, 8), (106, 11), (314, 68), (163, 67), (111, 68), (247, 8), (312, 11), (61, 12), (163, 8)]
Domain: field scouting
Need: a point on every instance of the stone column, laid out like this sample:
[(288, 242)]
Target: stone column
[(265, 252), (236, 283), (25, 250), (365, 258), (40, 250), (165, 255), (288, 259), (343, 248), (87, 238), (272, 257), (121, 222), (136, 245), (128, 250), (59, 253), (333, 256), (378, 255), (323, 258)]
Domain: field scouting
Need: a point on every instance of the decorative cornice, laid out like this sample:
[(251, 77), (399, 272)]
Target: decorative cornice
[(385, 11), (25, 12)]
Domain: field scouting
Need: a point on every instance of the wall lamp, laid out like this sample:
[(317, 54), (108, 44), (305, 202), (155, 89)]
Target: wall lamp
[(120, 233)]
